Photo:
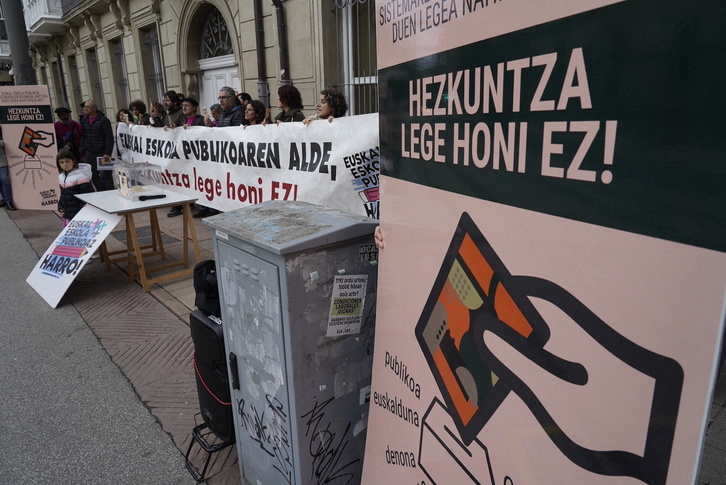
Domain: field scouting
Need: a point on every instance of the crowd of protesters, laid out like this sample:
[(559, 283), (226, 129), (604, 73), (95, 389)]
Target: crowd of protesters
[(91, 139)]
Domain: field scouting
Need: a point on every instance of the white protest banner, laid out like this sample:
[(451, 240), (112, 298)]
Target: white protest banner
[(30, 146), (71, 250), (330, 164)]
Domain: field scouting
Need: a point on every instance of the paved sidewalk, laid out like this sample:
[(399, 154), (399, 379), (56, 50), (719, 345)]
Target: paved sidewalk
[(67, 414), (146, 336)]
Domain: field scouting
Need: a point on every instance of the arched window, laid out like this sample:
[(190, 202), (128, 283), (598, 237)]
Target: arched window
[(215, 37)]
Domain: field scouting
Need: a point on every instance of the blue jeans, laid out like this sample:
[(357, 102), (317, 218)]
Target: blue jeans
[(5, 191)]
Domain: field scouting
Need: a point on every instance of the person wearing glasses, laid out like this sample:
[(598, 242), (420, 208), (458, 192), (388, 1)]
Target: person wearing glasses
[(232, 114)]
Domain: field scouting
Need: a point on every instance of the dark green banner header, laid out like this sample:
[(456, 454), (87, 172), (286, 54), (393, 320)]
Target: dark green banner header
[(25, 114), (598, 117)]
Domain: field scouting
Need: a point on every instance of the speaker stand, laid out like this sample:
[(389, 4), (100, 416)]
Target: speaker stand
[(200, 436)]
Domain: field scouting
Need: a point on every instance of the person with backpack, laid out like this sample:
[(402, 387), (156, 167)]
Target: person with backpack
[(232, 114)]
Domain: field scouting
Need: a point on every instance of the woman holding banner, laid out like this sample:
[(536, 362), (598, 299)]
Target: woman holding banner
[(156, 116), (255, 112), (331, 104), (289, 101)]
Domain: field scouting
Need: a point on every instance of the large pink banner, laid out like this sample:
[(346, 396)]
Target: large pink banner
[(553, 282)]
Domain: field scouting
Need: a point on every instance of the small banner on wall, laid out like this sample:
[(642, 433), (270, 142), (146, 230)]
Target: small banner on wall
[(30, 146), (330, 164)]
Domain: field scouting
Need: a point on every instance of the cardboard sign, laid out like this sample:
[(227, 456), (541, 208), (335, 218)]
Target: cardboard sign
[(70, 252)]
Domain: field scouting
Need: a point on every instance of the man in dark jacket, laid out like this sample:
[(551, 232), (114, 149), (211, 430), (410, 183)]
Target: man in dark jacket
[(232, 113), (98, 141)]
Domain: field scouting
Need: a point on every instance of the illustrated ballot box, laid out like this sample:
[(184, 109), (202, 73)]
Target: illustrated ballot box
[(298, 292), (139, 181)]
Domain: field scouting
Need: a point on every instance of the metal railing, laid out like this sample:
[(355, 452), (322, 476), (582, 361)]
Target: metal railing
[(68, 5), (356, 29)]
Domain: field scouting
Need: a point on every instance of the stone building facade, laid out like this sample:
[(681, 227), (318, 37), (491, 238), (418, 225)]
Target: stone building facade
[(118, 51)]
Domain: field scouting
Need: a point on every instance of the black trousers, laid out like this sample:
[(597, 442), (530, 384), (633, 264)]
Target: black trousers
[(102, 180)]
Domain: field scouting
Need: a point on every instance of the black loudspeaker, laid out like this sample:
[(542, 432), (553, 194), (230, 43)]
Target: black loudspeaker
[(210, 369)]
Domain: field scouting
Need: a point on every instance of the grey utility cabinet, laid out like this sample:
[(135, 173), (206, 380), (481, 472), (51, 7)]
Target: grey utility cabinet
[(298, 293)]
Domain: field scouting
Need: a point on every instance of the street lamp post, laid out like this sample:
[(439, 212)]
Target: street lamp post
[(18, 38)]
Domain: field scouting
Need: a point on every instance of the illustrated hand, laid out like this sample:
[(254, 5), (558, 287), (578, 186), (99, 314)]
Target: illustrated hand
[(608, 404), (43, 138)]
